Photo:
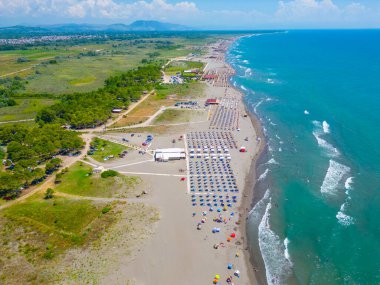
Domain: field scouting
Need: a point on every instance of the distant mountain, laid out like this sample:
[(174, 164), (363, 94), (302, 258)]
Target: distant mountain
[(156, 26), (148, 26)]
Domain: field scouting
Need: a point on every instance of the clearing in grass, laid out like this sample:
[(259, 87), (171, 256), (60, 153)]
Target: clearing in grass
[(80, 181)]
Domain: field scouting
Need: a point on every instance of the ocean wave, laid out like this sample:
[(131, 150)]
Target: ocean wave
[(257, 211), (277, 266), (264, 175), (334, 175), (330, 149), (246, 61), (344, 220), (320, 130), (272, 161), (248, 72), (286, 251), (348, 183), (306, 112), (257, 106), (326, 127), (243, 87), (270, 81)]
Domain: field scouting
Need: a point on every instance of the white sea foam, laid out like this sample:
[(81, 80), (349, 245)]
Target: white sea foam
[(272, 161), (334, 175), (248, 72), (306, 112), (246, 61), (344, 220), (286, 251), (257, 211), (264, 175), (330, 149), (348, 183), (243, 87), (270, 81), (319, 131), (326, 127), (280, 149), (277, 266), (257, 106), (273, 124)]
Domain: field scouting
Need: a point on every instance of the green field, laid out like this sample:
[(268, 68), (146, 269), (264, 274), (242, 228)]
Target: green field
[(25, 109), (80, 181), (190, 90), (79, 73), (106, 148), (49, 226), (180, 66), (173, 116)]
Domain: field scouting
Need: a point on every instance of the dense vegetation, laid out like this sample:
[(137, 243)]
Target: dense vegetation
[(83, 110), (8, 88), (28, 150)]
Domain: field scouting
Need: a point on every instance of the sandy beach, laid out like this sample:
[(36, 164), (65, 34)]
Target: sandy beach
[(185, 247)]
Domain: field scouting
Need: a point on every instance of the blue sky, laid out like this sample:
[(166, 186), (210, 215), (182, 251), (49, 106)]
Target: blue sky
[(206, 14)]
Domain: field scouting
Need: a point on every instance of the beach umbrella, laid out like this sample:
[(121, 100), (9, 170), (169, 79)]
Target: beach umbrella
[(233, 235), (229, 266), (217, 276)]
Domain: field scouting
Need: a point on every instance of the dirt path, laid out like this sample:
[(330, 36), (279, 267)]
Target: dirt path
[(87, 135), (18, 121), (98, 199), (67, 161)]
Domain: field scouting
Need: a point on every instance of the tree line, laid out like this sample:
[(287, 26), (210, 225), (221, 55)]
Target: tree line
[(87, 110), (30, 154)]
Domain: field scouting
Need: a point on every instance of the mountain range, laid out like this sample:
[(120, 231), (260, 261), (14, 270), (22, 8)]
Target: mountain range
[(136, 26)]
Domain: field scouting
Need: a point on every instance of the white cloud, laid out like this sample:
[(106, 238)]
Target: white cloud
[(318, 11), (288, 14), (306, 9), (154, 9)]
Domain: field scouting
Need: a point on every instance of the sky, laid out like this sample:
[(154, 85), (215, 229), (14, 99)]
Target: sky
[(203, 14)]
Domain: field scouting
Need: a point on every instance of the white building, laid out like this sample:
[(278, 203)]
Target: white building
[(168, 154)]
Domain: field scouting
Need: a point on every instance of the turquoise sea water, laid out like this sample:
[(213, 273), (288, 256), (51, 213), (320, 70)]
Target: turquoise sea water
[(317, 94)]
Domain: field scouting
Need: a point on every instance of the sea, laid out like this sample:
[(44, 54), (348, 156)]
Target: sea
[(317, 96)]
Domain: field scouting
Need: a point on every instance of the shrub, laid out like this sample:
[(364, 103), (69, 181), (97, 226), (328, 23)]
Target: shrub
[(109, 173), (105, 210)]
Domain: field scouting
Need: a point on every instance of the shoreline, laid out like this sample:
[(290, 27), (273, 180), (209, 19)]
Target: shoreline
[(250, 192)]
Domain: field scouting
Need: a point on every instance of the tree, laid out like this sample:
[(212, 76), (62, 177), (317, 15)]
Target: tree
[(52, 165), (49, 194)]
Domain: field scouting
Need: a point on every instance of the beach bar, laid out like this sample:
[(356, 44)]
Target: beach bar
[(168, 154)]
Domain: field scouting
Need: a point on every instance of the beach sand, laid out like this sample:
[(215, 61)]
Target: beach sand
[(178, 253)]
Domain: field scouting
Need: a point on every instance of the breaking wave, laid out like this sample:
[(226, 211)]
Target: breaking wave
[(286, 251), (272, 161), (264, 175), (326, 127), (334, 175), (348, 183), (344, 220), (320, 130), (277, 266)]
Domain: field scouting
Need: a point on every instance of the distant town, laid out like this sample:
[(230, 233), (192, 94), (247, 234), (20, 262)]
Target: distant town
[(50, 38)]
